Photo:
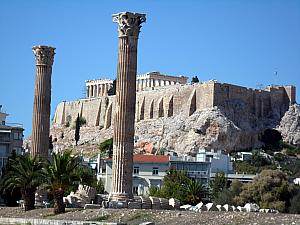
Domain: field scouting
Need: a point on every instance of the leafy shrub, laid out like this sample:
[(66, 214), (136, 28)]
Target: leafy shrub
[(295, 204)]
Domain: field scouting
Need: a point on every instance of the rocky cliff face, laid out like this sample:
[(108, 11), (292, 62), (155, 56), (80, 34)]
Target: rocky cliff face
[(209, 128), (290, 125)]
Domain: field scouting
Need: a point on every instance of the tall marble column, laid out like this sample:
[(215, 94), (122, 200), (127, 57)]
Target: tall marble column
[(91, 91), (129, 25), (87, 91), (44, 57)]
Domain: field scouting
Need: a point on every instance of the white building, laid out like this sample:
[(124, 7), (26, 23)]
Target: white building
[(244, 156), (218, 159), (148, 170)]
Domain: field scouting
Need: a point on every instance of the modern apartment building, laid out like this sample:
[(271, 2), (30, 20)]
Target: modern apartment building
[(11, 138)]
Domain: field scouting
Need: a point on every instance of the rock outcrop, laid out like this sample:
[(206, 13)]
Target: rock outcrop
[(290, 125), (208, 128), (212, 128)]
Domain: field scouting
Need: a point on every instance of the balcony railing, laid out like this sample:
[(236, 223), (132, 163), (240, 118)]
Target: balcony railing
[(197, 173)]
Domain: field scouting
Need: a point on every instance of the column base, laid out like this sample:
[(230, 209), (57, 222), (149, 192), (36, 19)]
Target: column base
[(120, 197), (119, 200)]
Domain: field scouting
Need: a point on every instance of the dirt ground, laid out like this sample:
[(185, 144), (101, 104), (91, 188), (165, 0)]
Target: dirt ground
[(160, 217)]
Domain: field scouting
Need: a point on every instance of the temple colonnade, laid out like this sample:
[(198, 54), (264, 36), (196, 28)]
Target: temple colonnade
[(97, 88)]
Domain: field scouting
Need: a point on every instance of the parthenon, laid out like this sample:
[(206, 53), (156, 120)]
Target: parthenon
[(147, 81), (156, 79), (97, 88)]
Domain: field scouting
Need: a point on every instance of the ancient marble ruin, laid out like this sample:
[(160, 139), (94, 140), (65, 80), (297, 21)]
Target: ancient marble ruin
[(153, 80), (97, 88), (148, 81), (129, 25), (44, 56), (182, 99)]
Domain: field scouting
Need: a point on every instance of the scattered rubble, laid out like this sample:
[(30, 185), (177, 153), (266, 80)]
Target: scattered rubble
[(159, 217), (84, 195)]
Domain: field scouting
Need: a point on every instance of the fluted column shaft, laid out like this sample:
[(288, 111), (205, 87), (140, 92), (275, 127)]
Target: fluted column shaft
[(124, 117), (42, 100), (123, 138)]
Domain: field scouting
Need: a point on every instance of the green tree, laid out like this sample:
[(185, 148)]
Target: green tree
[(269, 189), (295, 204), (77, 129), (227, 195), (99, 186), (63, 172), (259, 160), (195, 191), (106, 147), (27, 173), (218, 184), (10, 197), (176, 184), (112, 89), (195, 80)]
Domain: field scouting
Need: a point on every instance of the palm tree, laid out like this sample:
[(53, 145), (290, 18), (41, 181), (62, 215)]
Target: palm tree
[(62, 173), (195, 191), (27, 173)]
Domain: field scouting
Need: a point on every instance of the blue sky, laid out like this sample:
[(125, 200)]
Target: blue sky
[(240, 42)]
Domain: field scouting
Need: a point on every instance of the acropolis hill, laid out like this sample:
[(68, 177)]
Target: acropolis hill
[(175, 115)]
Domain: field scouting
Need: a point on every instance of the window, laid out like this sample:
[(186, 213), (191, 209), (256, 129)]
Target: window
[(155, 171), (16, 136), (136, 170)]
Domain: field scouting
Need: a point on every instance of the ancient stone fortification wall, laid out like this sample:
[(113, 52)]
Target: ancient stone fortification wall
[(182, 99), (273, 101)]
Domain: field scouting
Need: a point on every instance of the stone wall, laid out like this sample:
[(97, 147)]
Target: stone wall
[(185, 100)]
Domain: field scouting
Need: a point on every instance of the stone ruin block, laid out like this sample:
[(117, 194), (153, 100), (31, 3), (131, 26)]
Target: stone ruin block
[(251, 207), (185, 207), (164, 203), (221, 208), (92, 206), (174, 203), (228, 208), (155, 202), (105, 204), (117, 204), (241, 209), (211, 207), (84, 195), (146, 202), (198, 207), (203, 208), (134, 205), (99, 198)]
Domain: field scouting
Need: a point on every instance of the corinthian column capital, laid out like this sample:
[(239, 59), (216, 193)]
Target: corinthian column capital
[(44, 55), (129, 23)]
